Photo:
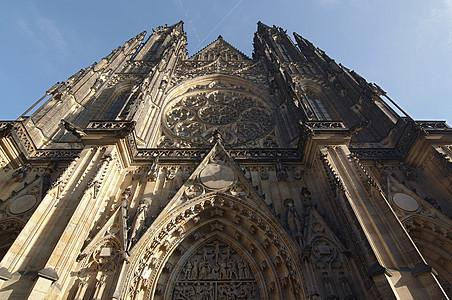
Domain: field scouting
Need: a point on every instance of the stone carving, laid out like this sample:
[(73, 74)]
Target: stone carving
[(154, 170), (215, 271), (281, 172), (246, 69), (104, 258), (237, 116), (293, 222), (325, 255), (10, 229), (20, 174), (139, 222), (194, 190)]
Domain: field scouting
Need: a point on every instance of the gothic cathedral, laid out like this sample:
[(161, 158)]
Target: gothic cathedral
[(155, 175)]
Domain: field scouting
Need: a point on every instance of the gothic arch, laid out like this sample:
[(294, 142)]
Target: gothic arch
[(229, 219), (217, 238), (120, 97), (434, 240), (316, 98), (98, 270), (100, 104), (9, 230)]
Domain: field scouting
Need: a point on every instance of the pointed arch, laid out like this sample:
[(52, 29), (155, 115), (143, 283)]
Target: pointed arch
[(215, 270), (98, 269), (9, 230), (122, 98), (268, 248), (433, 239), (315, 99)]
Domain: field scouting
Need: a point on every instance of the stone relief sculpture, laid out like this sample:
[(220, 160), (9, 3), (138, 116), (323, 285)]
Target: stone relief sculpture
[(293, 222), (238, 116), (216, 271)]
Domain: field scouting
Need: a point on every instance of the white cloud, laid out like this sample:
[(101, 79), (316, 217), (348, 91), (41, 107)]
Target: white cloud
[(44, 31), (50, 29), (24, 26), (438, 24)]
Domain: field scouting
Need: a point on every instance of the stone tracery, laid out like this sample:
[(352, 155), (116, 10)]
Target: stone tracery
[(239, 116)]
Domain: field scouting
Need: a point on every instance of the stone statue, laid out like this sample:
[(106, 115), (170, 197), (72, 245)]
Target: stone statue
[(293, 222)]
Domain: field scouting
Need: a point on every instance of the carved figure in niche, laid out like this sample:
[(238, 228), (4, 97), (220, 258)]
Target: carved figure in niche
[(223, 270), (328, 285), (252, 291), (238, 189), (214, 272), (227, 292), (139, 223), (194, 272), (153, 171), (232, 272), (171, 173), (179, 291), (184, 291), (204, 291), (188, 269), (281, 172), (194, 190), (293, 223), (208, 291), (243, 269), (203, 269), (346, 286)]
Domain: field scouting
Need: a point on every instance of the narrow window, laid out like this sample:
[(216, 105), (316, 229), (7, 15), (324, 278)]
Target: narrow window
[(119, 103), (318, 107), (284, 51), (152, 53)]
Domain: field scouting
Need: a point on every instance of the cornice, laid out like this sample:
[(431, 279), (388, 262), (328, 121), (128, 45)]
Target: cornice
[(109, 132)]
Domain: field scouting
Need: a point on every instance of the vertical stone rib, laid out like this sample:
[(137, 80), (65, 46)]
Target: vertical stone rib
[(378, 222)]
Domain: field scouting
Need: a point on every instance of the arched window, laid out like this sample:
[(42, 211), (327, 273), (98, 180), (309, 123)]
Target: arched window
[(121, 99), (317, 106), (282, 48), (152, 53)]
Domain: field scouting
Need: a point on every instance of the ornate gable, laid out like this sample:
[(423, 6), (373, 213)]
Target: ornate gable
[(220, 58), (219, 49), (215, 237)]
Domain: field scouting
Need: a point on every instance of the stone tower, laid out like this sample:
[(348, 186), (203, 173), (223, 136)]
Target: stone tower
[(155, 175)]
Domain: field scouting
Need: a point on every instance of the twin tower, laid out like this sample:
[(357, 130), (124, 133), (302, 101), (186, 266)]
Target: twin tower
[(155, 175)]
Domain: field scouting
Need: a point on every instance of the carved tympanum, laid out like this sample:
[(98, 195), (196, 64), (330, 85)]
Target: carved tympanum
[(214, 271)]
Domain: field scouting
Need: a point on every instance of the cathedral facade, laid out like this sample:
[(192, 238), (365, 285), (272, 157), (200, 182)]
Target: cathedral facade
[(155, 175)]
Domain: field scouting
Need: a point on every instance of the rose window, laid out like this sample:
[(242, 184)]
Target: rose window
[(240, 117)]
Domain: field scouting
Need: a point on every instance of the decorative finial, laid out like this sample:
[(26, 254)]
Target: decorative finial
[(216, 137)]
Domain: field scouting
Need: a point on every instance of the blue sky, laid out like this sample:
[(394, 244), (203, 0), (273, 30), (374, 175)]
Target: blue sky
[(403, 46)]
